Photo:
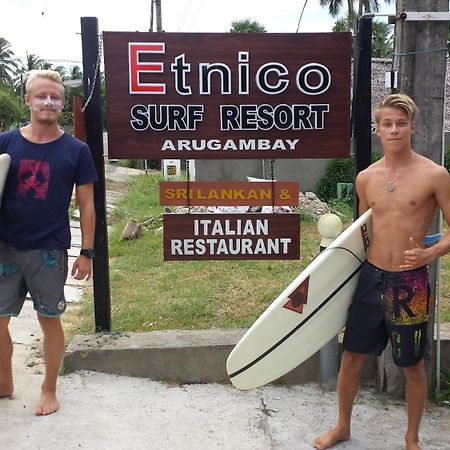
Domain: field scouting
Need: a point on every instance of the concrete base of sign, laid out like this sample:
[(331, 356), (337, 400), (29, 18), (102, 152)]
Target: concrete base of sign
[(177, 356)]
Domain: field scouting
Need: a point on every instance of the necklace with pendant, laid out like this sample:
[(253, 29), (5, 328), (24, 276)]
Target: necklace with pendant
[(390, 183)]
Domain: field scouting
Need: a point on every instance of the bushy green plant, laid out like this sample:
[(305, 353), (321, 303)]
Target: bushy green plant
[(337, 171), (9, 108)]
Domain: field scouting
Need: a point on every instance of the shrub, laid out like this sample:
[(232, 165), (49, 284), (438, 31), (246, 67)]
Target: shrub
[(447, 159), (337, 171)]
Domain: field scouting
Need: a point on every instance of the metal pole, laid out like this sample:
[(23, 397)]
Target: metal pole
[(329, 227), (94, 135)]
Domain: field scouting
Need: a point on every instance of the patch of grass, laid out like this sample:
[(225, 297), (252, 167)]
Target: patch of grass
[(343, 207), (150, 294)]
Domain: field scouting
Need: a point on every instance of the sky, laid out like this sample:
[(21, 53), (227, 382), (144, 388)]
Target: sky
[(50, 29)]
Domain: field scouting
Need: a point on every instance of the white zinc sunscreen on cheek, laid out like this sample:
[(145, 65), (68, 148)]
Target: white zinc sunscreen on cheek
[(48, 102)]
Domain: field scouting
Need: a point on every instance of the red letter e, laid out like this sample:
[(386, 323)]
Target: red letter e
[(137, 67)]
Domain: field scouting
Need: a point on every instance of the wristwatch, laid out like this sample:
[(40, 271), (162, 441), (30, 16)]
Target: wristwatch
[(88, 252)]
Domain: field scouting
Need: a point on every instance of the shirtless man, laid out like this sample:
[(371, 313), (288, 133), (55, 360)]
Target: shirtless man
[(46, 163), (391, 301)]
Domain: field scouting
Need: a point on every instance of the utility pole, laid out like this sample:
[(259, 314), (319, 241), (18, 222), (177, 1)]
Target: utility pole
[(158, 15), (155, 4), (152, 9), (420, 59)]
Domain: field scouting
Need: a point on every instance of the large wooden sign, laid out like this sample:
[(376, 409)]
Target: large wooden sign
[(231, 236), (233, 95), (228, 193)]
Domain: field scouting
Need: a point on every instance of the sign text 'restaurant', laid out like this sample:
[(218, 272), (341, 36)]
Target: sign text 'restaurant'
[(231, 236)]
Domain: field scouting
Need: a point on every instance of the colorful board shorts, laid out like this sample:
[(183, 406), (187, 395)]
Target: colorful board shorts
[(42, 273), (389, 305)]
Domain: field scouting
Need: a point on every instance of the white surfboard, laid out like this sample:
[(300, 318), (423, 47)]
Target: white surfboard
[(306, 315), (5, 161)]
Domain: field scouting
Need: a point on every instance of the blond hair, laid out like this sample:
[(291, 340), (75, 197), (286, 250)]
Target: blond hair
[(399, 101), (52, 75)]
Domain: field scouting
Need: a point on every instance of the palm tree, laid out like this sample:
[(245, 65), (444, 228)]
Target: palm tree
[(8, 63), (382, 40), (47, 65), (342, 24), (382, 37), (75, 73), (32, 62), (62, 70), (335, 8), (247, 26)]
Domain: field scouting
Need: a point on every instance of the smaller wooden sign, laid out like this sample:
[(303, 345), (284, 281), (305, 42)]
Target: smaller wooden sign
[(231, 236), (233, 193)]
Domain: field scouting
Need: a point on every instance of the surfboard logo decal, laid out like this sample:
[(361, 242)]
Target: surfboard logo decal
[(296, 328), (298, 297), (365, 236)]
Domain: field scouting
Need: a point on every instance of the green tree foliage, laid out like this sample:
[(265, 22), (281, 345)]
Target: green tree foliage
[(246, 26), (382, 40), (67, 113), (336, 7), (8, 62), (10, 109), (62, 71), (75, 73), (33, 62)]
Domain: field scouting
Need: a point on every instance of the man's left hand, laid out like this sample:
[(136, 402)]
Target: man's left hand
[(415, 257), (82, 268)]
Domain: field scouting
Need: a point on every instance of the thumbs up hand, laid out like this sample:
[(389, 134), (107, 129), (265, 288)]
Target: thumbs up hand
[(415, 257)]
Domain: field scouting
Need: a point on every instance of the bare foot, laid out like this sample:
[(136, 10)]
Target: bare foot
[(333, 436), (6, 390), (412, 443), (48, 404)]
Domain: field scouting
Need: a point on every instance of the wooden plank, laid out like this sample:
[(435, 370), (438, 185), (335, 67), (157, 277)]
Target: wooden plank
[(231, 236), (232, 193)]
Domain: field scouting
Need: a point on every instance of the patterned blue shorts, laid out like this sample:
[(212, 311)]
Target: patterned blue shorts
[(41, 272), (389, 306)]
